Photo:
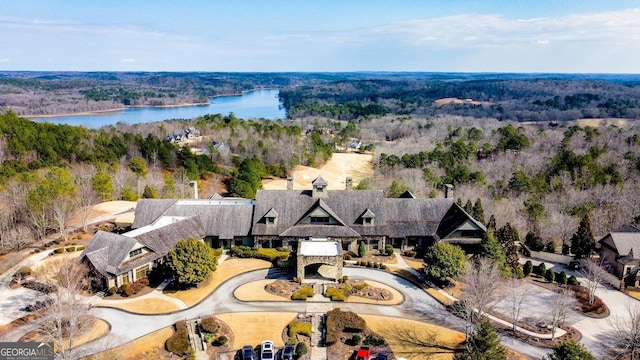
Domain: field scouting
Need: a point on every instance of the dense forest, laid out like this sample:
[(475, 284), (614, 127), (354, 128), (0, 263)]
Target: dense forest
[(541, 177)]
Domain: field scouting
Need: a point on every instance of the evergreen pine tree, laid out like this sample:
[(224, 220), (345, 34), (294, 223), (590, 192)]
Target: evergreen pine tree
[(478, 211), (468, 207), (484, 344), (490, 248), (583, 242), (491, 225), (459, 202), (570, 350), (507, 237)]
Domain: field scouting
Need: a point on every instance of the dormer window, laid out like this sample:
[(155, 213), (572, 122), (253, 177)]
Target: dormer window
[(134, 253), (367, 217), (367, 221), (320, 220), (270, 217)]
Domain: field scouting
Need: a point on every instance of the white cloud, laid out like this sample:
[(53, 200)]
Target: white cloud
[(127, 60)]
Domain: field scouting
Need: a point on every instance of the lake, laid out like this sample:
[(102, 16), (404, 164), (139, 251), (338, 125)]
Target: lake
[(250, 105)]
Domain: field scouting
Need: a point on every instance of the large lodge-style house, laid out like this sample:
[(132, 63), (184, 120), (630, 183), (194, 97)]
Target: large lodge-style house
[(317, 224)]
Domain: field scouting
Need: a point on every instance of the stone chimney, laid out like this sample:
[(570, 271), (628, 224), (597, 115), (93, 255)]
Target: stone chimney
[(348, 183), (194, 185), (448, 191), (290, 183)]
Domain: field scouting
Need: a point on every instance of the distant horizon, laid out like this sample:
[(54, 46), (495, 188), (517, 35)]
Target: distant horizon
[(462, 36)]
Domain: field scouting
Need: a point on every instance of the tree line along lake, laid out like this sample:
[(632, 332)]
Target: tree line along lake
[(255, 104)]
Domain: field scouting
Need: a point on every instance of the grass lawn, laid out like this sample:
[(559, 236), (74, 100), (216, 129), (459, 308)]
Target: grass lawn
[(254, 291), (144, 306), (226, 270), (253, 328), (397, 331), (150, 346), (98, 329)]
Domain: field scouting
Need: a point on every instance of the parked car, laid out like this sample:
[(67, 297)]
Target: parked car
[(247, 352), (381, 357), (267, 350), (288, 352), (363, 353)]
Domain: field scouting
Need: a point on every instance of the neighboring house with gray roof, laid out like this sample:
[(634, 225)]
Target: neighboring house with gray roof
[(620, 250)]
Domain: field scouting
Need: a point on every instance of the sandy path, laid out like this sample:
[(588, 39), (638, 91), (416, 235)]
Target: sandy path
[(341, 165)]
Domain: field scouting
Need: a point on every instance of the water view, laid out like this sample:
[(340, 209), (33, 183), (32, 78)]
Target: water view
[(251, 105)]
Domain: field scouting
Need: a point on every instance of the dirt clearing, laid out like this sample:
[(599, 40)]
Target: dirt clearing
[(341, 165)]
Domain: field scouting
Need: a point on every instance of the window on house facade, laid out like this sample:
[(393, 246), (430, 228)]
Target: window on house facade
[(142, 271), (270, 221), (320, 220), (125, 278), (135, 252), (367, 221), (467, 233)]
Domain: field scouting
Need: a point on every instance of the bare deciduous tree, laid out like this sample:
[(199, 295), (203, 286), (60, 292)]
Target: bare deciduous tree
[(62, 210), (482, 285), (625, 335), (86, 194), (67, 316), (558, 310), (516, 294), (593, 272)]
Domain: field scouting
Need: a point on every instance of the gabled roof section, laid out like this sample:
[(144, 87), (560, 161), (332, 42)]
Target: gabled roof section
[(414, 217), (626, 242), (453, 219), (320, 204), (107, 251), (368, 214), (319, 181), (162, 239), (272, 213), (148, 210)]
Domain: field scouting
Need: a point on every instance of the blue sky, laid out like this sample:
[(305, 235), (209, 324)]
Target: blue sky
[(591, 36)]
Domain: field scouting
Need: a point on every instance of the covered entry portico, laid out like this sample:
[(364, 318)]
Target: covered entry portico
[(320, 256)]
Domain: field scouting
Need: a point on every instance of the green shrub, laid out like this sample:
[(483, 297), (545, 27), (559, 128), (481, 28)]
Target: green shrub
[(361, 286), (58, 250), (373, 341), (562, 278), (271, 254), (335, 294), (80, 248), (208, 337), (70, 249), (550, 275), (112, 290), (218, 252), (355, 340), (541, 269), (346, 256), (388, 249), (210, 324), (178, 343), (124, 287), (573, 280), (369, 264), (301, 349), (362, 249), (222, 340), (527, 268), (303, 293), (299, 328)]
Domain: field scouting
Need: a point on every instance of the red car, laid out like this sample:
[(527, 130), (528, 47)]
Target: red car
[(364, 353)]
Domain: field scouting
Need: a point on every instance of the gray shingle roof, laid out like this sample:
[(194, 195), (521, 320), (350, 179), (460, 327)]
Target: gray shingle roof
[(107, 252), (624, 242), (319, 181), (148, 210), (224, 219), (292, 205)]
